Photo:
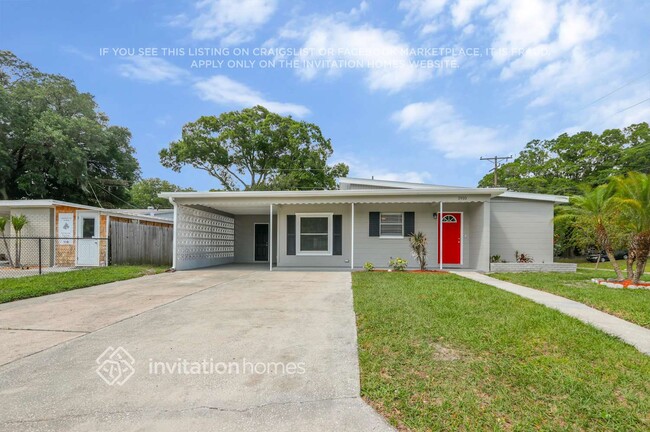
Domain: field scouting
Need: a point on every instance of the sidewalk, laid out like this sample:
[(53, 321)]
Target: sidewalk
[(633, 334)]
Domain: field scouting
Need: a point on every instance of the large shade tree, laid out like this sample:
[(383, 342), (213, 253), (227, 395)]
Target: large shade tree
[(55, 143), (255, 149), (144, 193), (567, 163)]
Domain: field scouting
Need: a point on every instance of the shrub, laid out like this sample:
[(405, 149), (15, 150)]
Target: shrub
[(523, 258), (368, 266), (495, 258), (398, 264)]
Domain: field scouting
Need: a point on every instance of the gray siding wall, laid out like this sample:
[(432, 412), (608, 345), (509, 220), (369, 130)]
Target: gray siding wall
[(285, 260), (524, 226), (245, 237), (380, 250)]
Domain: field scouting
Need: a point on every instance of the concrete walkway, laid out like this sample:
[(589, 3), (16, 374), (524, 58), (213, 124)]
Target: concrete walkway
[(288, 340), (630, 333)]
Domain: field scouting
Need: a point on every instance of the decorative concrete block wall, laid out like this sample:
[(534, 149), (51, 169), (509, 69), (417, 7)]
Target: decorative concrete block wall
[(203, 238), (533, 267)]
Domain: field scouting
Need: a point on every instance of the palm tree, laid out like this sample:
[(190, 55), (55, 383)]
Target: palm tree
[(419, 246), (633, 198), (3, 225), (594, 216), (18, 222)]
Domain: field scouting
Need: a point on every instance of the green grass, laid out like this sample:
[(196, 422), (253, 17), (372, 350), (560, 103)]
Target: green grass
[(630, 304), (583, 263), (439, 352), (34, 286)]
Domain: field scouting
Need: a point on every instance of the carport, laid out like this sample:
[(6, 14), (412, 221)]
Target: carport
[(337, 229)]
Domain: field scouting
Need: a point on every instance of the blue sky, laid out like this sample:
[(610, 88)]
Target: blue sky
[(412, 90)]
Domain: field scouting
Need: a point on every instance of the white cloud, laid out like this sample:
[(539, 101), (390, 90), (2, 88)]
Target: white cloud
[(230, 21), (418, 10), (462, 10), (151, 69), (225, 91), (439, 125), (576, 25), (332, 45)]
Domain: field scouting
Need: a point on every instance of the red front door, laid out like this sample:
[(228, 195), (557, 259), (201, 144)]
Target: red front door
[(452, 238)]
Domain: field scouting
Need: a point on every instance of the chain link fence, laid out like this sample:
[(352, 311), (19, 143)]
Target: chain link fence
[(27, 256)]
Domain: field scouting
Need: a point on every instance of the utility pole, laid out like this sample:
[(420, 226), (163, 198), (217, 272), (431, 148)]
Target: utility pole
[(496, 160)]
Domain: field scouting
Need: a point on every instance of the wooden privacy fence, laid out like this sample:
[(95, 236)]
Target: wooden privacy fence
[(141, 244)]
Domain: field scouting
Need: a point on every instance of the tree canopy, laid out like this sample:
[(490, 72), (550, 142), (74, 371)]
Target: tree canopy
[(565, 164), (255, 149), (55, 143), (144, 193)]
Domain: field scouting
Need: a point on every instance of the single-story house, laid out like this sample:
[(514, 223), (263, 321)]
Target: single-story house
[(362, 221), (77, 235)]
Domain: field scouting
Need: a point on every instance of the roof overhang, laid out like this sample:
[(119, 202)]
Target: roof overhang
[(253, 202), (557, 199), (6, 205)]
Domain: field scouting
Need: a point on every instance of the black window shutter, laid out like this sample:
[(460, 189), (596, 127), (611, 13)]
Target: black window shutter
[(337, 235), (373, 224), (409, 223), (291, 234)]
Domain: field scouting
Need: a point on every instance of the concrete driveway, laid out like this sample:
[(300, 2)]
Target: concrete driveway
[(226, 349)]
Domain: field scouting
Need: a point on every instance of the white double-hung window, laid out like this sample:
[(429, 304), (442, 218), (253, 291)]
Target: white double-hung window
[(314, 233), (391, 225)]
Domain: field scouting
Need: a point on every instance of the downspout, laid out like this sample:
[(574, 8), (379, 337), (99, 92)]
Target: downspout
[(171, 200)]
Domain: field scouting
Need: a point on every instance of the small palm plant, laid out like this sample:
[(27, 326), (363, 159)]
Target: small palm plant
[(596, 219), (18, 222), (3, 225), (419, 246)]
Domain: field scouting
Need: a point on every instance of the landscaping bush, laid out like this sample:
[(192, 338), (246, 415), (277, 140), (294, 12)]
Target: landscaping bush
[(398, 264)]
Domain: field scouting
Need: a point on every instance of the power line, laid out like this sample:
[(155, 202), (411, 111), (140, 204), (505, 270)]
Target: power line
[(616, 89), (110, 193), (631, 106)]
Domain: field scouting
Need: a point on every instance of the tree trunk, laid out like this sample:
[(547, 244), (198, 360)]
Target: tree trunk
[(642, 251), (11, 261), (630, 264), (612, 259)]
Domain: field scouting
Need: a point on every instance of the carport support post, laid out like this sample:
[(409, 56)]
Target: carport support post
[(271, 237), (440, 239), (352, 243)]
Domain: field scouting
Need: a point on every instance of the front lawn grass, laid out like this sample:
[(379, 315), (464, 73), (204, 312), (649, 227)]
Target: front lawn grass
[(584, 264), (439, 352), (629, 304), (34, 286)]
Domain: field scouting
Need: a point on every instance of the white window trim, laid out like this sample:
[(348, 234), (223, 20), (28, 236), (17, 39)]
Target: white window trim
[(395, 236), (329, 234)]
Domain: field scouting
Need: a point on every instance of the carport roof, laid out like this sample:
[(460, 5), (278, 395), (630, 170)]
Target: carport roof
[(258, 202), (347, 195)]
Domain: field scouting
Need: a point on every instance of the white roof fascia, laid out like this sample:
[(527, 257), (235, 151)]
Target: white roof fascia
[(558, 199), (335, 194), (52, 203)]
